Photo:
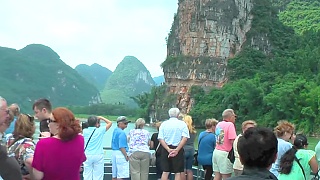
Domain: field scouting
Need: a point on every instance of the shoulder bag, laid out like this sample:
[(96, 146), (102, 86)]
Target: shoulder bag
[(231, 155)]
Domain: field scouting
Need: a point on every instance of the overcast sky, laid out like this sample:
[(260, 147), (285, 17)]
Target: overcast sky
[(91, 31)]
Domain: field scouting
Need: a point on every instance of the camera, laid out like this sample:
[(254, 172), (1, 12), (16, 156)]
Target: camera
[(84, 125)]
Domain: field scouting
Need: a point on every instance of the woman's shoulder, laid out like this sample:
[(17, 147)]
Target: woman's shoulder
[(306, 152), (284, 143), (28, 142), (145, 131), (79, 137), (45, 141)]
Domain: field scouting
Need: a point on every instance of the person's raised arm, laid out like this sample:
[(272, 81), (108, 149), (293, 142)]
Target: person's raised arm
[(108, 122)]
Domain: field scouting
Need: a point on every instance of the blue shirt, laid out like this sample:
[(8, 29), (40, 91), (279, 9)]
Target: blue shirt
[(206, 147), (11, 127), (95, 145), (119, 139), (283, 147), (317, 149)]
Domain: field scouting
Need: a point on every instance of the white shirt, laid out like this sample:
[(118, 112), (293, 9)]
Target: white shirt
[(172, 131)]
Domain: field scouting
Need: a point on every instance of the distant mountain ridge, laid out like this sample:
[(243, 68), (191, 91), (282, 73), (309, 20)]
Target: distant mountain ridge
[(129, 79), (95, 74), (159, 80), (37, 71)]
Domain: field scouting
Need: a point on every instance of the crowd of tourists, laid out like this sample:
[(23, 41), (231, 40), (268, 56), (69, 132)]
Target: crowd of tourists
[(64, 147)]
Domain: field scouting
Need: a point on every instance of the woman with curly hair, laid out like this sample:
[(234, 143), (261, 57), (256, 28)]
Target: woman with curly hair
[(189, 149), (298, 162), (284, 132), (21, 145), (60, 156)]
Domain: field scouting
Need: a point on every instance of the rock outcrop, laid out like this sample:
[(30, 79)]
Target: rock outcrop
[(205, 34)]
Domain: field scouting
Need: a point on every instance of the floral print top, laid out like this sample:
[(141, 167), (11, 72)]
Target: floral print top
[(21, 150)]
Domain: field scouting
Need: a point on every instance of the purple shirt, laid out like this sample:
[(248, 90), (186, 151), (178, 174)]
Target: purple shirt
[(59, 160)]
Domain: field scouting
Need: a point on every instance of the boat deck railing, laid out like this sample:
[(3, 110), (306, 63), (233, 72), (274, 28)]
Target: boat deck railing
[(198, 172)]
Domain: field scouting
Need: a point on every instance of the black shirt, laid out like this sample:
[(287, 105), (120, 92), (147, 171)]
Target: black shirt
[(44, 126), (155, 140)]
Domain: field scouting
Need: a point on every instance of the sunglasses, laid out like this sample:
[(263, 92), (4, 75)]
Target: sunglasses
[(31, 118), (50, 121), (292, 135)]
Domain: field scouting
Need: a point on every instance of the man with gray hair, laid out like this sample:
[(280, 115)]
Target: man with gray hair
[(226, 134), (173, 135), (15, 109), (9, 167)]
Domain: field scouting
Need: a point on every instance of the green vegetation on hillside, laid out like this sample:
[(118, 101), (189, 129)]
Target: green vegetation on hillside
[(36, 71), (129, 79), (302, 15), (269, 89), (94, 74), (104, 109)]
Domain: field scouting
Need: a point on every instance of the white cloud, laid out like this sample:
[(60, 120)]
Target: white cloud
[(87, 32)]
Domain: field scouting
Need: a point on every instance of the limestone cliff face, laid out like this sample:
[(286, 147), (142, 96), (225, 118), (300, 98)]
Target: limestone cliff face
[(204, 35)]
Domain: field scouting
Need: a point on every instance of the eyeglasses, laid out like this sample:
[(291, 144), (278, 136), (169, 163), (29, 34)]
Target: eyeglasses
[(6, 110), (31, 118), (50, 121)]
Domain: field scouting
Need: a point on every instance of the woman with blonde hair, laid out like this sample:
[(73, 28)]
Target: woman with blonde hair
[(21, 145), (139, 153), (189, 149), (284, 132), (237, 165)]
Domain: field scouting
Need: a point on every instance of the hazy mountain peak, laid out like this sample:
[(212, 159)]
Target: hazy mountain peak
[(39, 51), (130, 78), (95, 74)]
